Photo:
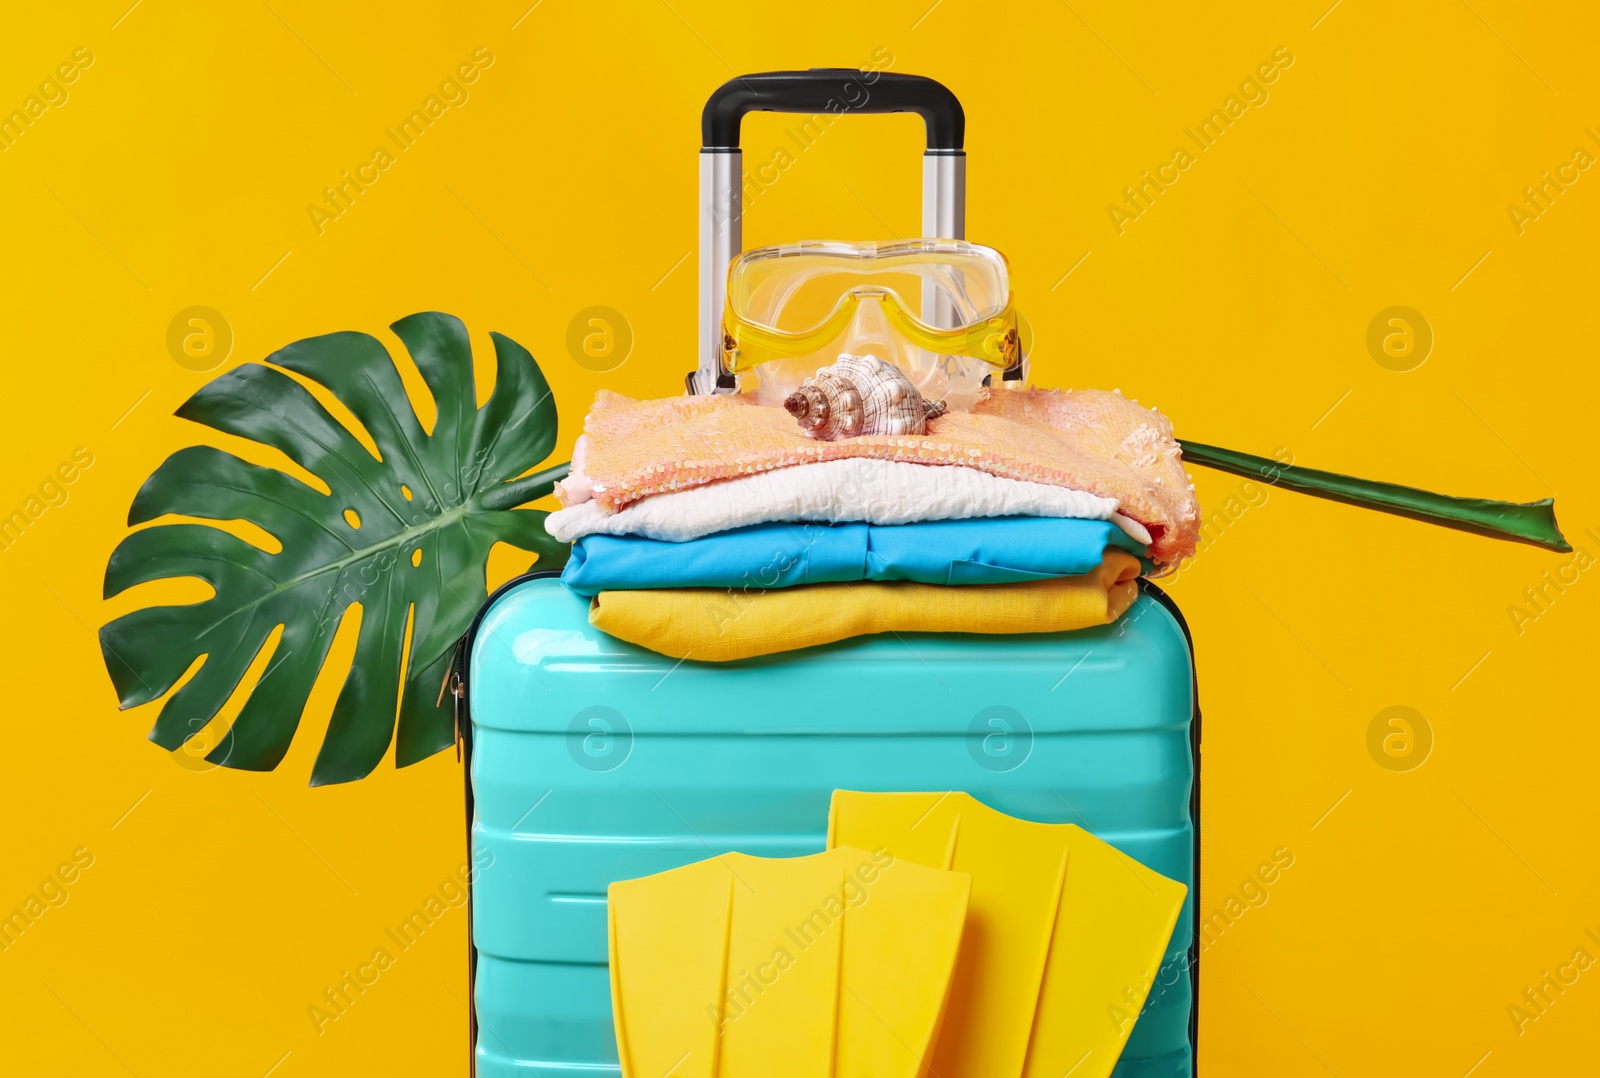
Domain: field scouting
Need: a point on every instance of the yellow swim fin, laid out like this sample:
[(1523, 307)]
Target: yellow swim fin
[(836, 965), (1064, 933)]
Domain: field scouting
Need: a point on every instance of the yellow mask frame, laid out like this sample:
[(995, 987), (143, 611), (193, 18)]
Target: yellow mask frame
[(966, 307), (993, 340)]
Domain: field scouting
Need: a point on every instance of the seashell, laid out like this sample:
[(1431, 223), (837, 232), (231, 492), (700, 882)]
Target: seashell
[(860, 395)]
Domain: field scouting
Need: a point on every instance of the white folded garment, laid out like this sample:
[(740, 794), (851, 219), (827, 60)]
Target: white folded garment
[(853, 489)]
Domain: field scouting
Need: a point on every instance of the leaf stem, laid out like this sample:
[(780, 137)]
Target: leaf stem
[(527, 489), (1523, 522)]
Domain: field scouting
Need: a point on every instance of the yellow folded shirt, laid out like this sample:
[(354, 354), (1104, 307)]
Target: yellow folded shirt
[(718, 624)]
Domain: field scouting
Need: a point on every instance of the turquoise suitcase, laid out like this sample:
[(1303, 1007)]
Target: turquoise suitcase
[(592, 760)]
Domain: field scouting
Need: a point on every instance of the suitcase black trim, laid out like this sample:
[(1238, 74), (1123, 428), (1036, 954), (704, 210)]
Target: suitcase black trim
[(463, 661), (464, 733), (1155, 592)]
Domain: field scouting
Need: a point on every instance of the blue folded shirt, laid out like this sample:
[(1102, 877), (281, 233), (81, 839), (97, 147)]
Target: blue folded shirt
[(997, 550)]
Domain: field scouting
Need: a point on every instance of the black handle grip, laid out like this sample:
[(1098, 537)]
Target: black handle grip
[(833, 90)]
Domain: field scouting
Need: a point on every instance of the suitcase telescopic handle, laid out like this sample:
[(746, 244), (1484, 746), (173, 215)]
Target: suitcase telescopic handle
[(832, 90), (822, 92)]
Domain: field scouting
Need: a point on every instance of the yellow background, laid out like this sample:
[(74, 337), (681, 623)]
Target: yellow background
[(1378, 173)]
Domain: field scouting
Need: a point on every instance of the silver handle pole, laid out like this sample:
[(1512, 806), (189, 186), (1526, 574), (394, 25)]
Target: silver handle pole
[(944, 196), (721, 237), (944, 217)]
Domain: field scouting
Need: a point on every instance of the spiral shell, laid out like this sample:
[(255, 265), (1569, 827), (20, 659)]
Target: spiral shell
[(860, 395)]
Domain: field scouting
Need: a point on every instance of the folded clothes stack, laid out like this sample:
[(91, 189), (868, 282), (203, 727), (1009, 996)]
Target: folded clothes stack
[(711, 528)]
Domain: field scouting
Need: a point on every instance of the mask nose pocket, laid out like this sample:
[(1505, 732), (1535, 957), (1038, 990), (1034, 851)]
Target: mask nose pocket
[(869, 332)]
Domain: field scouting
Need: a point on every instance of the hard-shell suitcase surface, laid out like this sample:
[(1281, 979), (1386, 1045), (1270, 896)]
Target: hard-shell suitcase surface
[(592, 760)]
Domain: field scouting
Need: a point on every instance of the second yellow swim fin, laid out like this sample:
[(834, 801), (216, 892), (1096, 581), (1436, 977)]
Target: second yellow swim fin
[(1064, 932), (836, 965)]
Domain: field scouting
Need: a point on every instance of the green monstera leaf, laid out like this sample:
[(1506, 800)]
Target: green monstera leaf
[(406, 534)]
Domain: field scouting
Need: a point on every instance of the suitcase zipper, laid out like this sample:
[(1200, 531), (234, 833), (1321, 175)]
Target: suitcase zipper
[(454, 685)]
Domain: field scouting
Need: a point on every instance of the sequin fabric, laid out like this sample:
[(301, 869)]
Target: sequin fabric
[(1087, 439)]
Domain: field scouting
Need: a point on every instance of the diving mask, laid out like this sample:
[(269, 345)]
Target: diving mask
[(941, 310)]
